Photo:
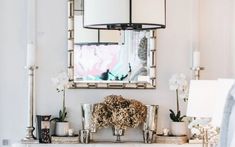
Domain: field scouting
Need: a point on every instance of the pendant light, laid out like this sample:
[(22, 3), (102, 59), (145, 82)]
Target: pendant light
[(125, 14)]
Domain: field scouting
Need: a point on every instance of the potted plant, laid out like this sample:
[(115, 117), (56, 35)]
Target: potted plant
[(62, 126), (179, 84)]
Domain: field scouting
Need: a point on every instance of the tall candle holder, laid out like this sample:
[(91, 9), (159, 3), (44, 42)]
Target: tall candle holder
[(196, 72), (30, 138)]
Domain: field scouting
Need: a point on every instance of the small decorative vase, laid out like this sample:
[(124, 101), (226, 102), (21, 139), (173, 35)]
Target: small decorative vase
[(43, 126), (87, 118), (84, 136), (148, 136), (62, 128), (178, 128), (118, 132), (151, 118)]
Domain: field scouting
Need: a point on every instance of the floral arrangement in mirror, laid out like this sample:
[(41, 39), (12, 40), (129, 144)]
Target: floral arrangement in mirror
[(62, 126), (179, 84)]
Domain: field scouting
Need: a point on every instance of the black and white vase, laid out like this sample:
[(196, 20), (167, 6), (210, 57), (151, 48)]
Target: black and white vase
[(43, 127)]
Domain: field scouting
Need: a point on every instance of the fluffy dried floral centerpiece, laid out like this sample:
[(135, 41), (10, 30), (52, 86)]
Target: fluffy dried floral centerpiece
[(119, 112)]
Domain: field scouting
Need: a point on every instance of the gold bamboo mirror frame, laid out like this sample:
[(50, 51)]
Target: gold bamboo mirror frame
[(102, 66)]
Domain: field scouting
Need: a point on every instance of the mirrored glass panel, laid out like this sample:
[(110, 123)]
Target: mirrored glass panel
[(108, 58)]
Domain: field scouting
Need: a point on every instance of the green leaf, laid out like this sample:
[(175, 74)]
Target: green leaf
[(60, 113), (178, 114), (172, 116), (56, 119), (172, 112), (182, 117)]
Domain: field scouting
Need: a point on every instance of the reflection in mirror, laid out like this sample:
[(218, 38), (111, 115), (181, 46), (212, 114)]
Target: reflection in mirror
[(127, 62), (109, 58)]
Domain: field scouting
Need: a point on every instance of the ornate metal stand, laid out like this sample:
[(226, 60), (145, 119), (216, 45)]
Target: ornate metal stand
[(30, 138), (118, 133), (196, 72)]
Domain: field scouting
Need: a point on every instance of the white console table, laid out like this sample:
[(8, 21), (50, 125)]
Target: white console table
[(106, 145)]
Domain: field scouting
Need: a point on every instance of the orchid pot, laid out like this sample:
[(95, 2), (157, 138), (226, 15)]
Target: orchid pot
[(62, 128), (178, 128)]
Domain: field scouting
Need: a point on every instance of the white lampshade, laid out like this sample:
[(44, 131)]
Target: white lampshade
[(93, 36), (125, 14), (224, 86), (202, 96)]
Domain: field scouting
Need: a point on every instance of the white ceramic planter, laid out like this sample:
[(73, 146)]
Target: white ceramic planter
[(178, 128), (62, 128)]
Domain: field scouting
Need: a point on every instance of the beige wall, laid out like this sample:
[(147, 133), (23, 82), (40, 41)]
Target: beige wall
[(215, 29)]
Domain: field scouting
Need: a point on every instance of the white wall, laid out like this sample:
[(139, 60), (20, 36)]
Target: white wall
[(12, 73), (232, 42), (174, 50), (216, 23)]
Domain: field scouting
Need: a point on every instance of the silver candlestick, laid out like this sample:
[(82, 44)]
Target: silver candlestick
[(30, 138), (196, 72)]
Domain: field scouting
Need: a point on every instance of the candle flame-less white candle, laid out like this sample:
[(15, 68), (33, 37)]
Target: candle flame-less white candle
[(70, 132), (31, 53), (196, 59)]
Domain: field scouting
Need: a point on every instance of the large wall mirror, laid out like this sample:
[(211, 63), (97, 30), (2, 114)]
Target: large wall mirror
[(109, 58)]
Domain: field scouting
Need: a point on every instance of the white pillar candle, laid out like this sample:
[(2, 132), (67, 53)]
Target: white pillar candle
[(31, 55), (196, 59), (70, 132), (31, 21)]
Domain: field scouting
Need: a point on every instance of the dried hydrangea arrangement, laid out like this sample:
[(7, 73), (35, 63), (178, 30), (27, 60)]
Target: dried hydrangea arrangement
[(119, 112), (102, 115)]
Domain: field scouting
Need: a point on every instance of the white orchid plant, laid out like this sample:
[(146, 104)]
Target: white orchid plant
[(60, 81), (179, 84)]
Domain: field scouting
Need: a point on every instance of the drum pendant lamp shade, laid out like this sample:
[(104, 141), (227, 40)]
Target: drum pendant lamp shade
[(125, 14)]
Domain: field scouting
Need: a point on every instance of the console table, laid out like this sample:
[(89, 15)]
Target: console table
[(106, 145)]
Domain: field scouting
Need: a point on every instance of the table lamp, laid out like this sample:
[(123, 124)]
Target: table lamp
[(202, 95)]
